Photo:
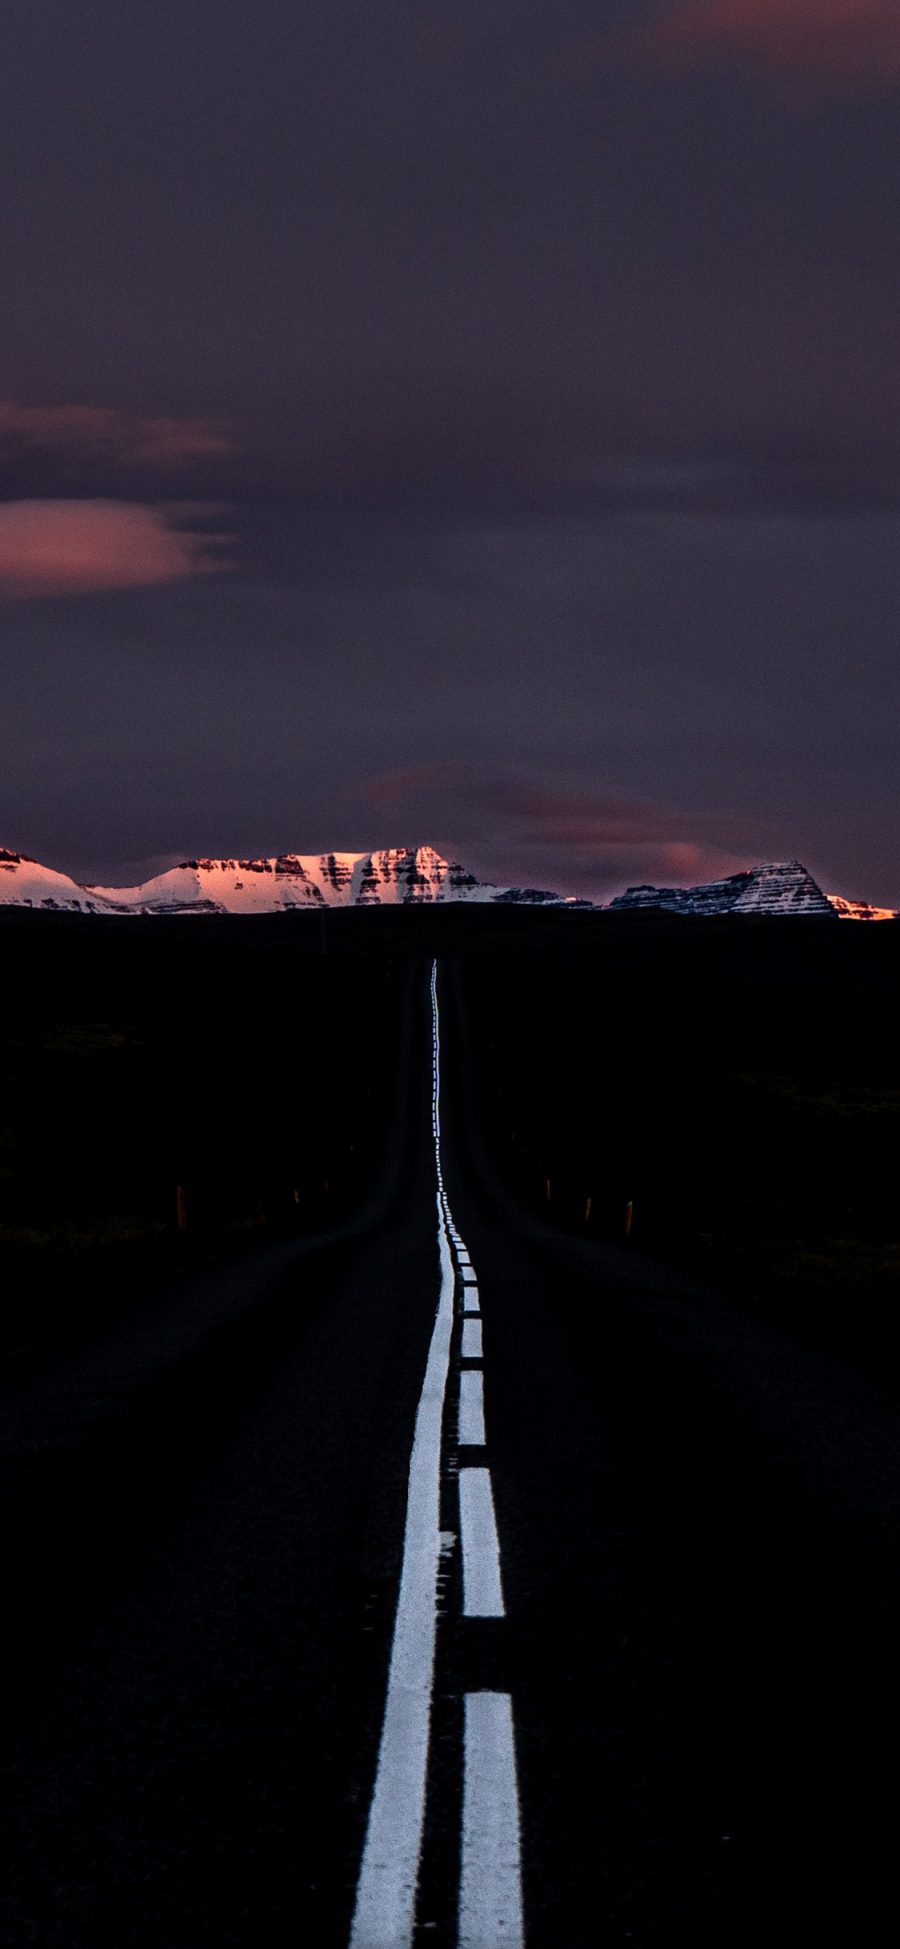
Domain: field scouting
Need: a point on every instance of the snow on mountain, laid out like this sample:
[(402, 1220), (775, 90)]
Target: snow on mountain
[(782, 887), (398, 876), (23, 883), (860, 909)]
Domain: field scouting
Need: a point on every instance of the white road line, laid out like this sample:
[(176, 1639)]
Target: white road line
[(471, 1348), (482, 1589), (384, 1917), (471, 1408), (490, 1895), (470, 1278), (470, 1300)]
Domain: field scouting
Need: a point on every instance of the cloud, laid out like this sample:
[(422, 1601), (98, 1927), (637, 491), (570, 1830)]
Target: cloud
[(838, 44), (540, 829), (73, 547), (104, 432)]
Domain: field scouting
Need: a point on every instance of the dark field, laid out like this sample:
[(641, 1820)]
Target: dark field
[(171, 1087), (737, 1085), (168, 1094), (695, 1479)]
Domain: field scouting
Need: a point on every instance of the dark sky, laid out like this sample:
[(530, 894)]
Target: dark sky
[(475, 423)]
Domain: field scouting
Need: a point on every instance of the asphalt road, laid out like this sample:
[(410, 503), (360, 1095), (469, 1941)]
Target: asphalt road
[(591, 1616)]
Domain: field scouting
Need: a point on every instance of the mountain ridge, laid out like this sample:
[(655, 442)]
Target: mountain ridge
[(782, 886), (283, 882), (396, 876), (775, 887)]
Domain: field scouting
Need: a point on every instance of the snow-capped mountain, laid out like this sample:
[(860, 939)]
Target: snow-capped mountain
[(783, 887), (24, 883), (860, 909), (399, 876)]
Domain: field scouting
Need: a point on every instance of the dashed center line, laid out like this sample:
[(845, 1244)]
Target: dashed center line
[(471, 1408), (490, 1897), (482, 1588)]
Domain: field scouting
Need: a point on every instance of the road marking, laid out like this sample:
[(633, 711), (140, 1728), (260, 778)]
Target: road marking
[(471, 1348), (482, 1589), (490, 1895), (471, 1408), (384, 1916)]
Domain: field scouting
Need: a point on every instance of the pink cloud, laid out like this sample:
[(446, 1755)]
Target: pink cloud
[(838, 44), (72, 547), (128, 439), (537, 829)]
